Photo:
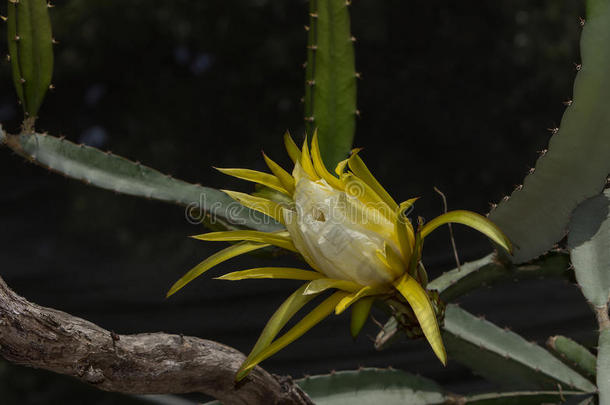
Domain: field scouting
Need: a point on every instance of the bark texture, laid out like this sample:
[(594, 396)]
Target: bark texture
[(147, 363)]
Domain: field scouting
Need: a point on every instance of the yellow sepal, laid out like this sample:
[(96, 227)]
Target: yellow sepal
[(267, 207), (319, 167), (280, 239), (254, 176), (323, 284), (309, 321), (285, 178), (293, 150), (306, 162), (357, 166), (286, 273), (353, 297), (360, 313), (213, 260), (473, 220), (419, 301)]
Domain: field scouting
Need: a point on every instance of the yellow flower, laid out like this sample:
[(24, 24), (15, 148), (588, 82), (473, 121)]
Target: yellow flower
[(354, 236)]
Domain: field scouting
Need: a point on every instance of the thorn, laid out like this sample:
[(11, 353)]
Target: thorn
[(567, 103), (108, 152), (22, 80), (358, 75), (332, 372), (553, 131), (357, 113), (542, 152), (353, 38), (578, 66), (309, 119), (302, 100), (3, 18), (306, 27), (54, 41), (304, 64), (17, 38), (313, 15), (531, 171), (49, 5), (505, 198), (51, 87), (8, 57), (62, 137), (348, 2), (518, 187), (311, 82), (581, 21), (312, 47)]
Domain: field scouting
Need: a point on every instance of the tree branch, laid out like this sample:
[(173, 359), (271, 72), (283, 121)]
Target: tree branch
[(147, 363)]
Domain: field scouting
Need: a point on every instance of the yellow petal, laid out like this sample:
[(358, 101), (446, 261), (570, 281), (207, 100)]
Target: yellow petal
[(323, 284), (360, 313), (404, 230), (363, 292), (278, 320), (282, 175), (319, 167), (309, 321), (473, 220), (306, 163), (287, 273), (293, 150), (393, 260), (267, 207), (357, 166), (279, 239), (213, 260), (341, 167), (355, 187), (265, 179), (419, 301)]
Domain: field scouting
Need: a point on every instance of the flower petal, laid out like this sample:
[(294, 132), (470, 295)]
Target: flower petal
[(213, 260), (286, 273), (318, 164), (356, 187), (341, 167), (282, 175), (279, 239), (309, 321), (293, 150), (265, 179), (363, 292), (267, 207), (473, 220), (360, 313), (278, 320), (417, 297), (357, 166), (404, 230), (306, 162), (323, 284)]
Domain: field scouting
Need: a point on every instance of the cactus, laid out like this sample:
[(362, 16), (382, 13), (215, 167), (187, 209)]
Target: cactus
[(573, 354), (330, 84), (576, 164), (112, 172), (503, 356), (31, 51), (488, 271)]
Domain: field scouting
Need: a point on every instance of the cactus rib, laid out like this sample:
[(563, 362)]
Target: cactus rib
[(576, 165), (112, 172), (330, 79)]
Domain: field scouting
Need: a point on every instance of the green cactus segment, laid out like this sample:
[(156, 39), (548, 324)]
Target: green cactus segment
[(519, 398), (505, 357), (118, 174), (30, 44), (487, 271), (603, 367), (330, 79), (372, 386), (576, 164), (573, 354), (589, 243)]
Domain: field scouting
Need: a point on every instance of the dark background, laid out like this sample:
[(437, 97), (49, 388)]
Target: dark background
[(457, 95)]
